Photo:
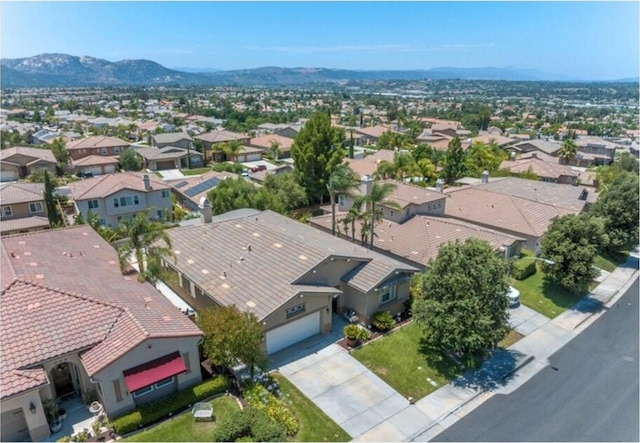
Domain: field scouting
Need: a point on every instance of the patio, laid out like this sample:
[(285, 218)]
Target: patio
[(78, 418)]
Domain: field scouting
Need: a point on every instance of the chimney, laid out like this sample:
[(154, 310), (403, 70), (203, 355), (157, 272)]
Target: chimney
[(205, 210), (513, 156), (439, 185), (485, 176), (147, 184), (366, 183)]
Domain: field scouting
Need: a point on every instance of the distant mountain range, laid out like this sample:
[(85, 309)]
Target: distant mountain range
[(62, 70)]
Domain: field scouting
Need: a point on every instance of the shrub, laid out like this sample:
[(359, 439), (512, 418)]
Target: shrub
[(249, 422), (233, 427), (228, 167), (151, 413), (260, 398), (351, 331), (383, 320), (523, 268), (263, 428)]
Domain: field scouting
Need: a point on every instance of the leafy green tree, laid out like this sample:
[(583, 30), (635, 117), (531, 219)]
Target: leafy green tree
[(481, 157), (618, 206), (52, 209), (568, 150), (626, 162), (280, 193), (391, 140), (148, 241), (59, 151), (454, 162), (317, 151), (463, 306), (232, 336), (571, 243), (231, 194), (341, 182), (129, 160), (377, 196)]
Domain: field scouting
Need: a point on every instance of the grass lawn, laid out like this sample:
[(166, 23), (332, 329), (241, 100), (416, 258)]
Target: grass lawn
[(184, 428), (195, 171), (314, 424), (608, 262), (397, 360), (544, 296), (512, 337)]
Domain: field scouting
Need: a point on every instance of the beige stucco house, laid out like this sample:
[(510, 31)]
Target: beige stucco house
[(19, 162), (23, 208), (290, 275), (74, 326)]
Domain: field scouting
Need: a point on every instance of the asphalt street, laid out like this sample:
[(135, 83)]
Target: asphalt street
[(588, 392)]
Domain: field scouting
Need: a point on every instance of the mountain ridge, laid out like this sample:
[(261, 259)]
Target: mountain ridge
[(63, 70)]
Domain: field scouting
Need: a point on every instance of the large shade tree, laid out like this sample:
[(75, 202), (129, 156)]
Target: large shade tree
[(454, 162), (316, 152), (232, 337), (463, 305), (572, 243)]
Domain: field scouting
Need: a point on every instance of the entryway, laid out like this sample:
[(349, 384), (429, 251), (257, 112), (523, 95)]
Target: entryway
[(65, 380)]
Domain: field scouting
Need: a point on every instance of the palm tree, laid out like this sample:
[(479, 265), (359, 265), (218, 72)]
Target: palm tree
[(341, 181), (147, 240), (354, 214), (386, 169), (378, 195), (274, 149), (231, 149), (568, 150)]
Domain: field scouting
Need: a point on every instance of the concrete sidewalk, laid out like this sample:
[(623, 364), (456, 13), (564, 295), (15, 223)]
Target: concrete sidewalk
[(531, 355)]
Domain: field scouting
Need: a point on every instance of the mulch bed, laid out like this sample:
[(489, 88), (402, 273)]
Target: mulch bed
[(374, 334)]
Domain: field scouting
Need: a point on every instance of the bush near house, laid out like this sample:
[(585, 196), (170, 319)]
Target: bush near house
[(523, 268), (249, 422), (151, 413), (383, 321)]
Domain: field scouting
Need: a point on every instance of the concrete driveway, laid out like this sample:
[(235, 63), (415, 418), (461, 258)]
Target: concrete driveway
[(354, 397), (171, 174), (525, 320)]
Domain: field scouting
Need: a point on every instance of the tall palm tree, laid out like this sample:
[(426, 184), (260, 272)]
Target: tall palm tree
[(354, 214), (147, 240), (231, 148), (378, 195), (274, 149), (568, 150), (386, 169), (341, 181)]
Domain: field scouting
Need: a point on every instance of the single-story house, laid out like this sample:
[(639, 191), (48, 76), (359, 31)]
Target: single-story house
[(547, 171), (189, 190), (264, 143), (157, 159), (74, 326), (369, 164), (371, 134), (209, 139), (290, 275), (95, 165), (18, 162)]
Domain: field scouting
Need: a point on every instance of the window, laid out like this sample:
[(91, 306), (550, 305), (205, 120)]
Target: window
[(35, 207), (162, 383), (440, 204), (197, 292), (135, 200), (93, 204), (428, 207), (116, 150), (166, 193), (160, 214), (387, 293), (104, 151), (117, 390), (6, 211), (295, 310), (115, 203), (143, 391), (391, 213), (103, 222)]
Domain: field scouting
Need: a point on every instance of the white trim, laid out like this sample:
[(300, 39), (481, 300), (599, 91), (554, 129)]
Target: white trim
[(36, 204), (163, 383), (142, 391)]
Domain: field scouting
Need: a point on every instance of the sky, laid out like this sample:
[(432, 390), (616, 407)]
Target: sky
[(585, 40)]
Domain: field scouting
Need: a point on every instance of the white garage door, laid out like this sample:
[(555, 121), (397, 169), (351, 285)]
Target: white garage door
[(14, 426), (7, 176), (254, 157), (95, 170), (291, 333), (108, 169)]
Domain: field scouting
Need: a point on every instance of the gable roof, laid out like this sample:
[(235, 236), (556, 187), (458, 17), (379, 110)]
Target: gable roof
[(539, 167), (95, 160), (171, 152), (171, 137), (221, 136), (374, 131), (369, 164), (419, 238), (282, 252), (108, 184), (196, 187), (67, 293), (25, 223), (405, 194), (35, 153), (15, 193), (96, 141), (264, 141)]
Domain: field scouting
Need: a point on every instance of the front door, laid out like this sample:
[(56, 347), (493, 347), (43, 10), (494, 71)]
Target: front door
[(63, 380)]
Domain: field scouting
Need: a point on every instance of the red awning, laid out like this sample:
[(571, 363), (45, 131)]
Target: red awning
[(154, 371)]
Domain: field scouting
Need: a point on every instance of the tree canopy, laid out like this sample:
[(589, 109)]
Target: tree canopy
[(463, 303), (52, 209), (454, 162), (129, 160), (316, 151), (231, 336), (571, 243)]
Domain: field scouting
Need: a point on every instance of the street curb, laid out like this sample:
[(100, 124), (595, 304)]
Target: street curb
[(519, 366)]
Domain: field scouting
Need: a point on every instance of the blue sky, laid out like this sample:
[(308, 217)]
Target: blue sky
[(589, 40)]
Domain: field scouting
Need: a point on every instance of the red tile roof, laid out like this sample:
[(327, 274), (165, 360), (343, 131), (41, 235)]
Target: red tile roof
[(14, 193), (108, 184), (96, 141), (62, 291)]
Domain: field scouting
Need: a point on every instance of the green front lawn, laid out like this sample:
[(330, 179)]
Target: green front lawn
[(399, 361), (184, 427), (609, 262), (314, 424), (544, 296), (195, 171)]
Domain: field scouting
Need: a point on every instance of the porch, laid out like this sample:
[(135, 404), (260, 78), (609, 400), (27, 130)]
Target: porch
[(78, 419)]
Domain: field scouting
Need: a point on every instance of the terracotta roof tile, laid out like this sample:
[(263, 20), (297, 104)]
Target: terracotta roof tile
[(13, 193), (96, 141), (94, 160), (108, 184)]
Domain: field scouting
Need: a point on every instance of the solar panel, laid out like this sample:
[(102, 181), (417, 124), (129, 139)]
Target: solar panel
[(201, 187), (181, 184)]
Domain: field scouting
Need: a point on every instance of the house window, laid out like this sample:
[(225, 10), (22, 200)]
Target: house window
[(117, 389), (135, 200), (387, 293), (428, 207), (115, 203), (35, 207), (291, 312), (439, 204), (160, 214), (6, 211), (162, 383), (116, 150), (166, 193), (103, 222), (391, 213), (197, 292), (93, 204), (143, 391), (104, 151)]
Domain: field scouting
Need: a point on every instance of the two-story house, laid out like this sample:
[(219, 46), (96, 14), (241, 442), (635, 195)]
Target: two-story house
[(602, 151), (217, 138), (96, 155), (118, 196), (18, 162), (23, 208), (174, 139)]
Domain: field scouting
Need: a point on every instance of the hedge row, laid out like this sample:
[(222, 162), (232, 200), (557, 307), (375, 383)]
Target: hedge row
[(151, 413), (523, 268)]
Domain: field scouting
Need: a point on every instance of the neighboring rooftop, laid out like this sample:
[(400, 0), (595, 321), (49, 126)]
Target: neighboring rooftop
[(108, 184), (96, 141), (15, 193)]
